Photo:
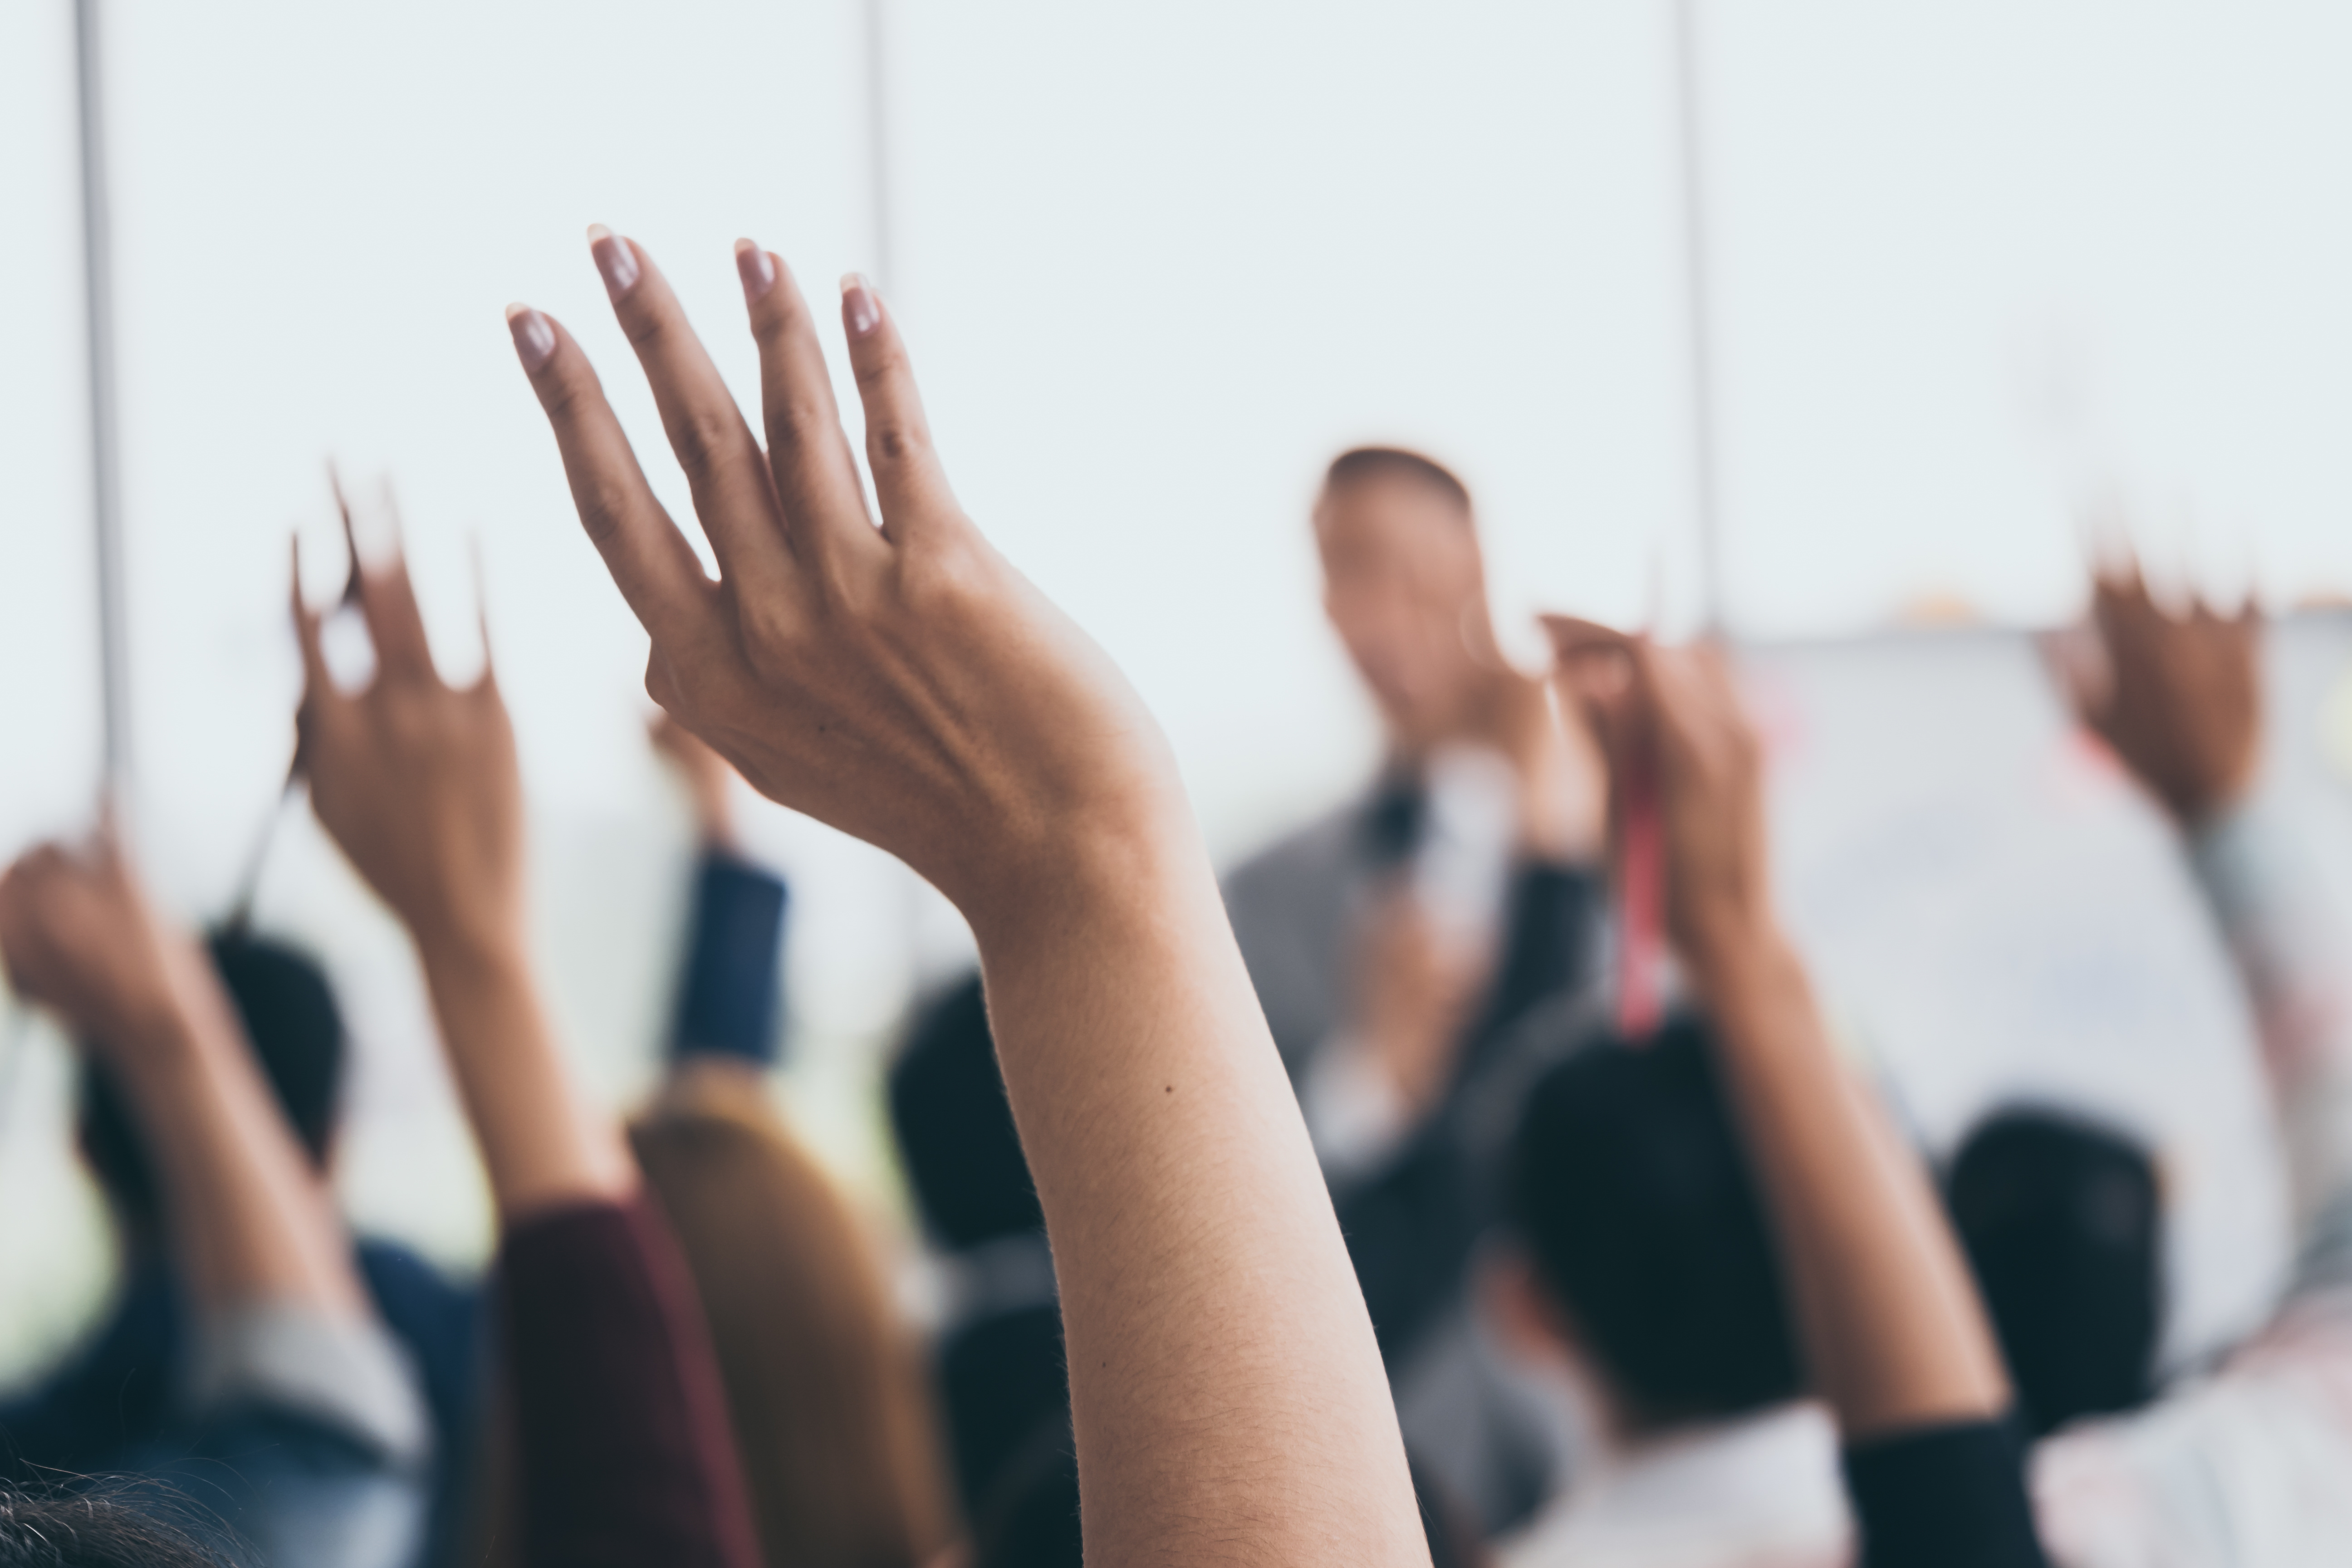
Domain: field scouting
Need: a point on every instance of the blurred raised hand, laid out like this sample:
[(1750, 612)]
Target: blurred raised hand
[(249, 1219), (414, 778), (1670, 716), (1893, 1333), (82, 940), (2178, 696), (902, 682), (417, 780)]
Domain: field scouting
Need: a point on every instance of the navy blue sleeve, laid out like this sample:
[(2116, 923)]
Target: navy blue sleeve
[(1943, 1497), (1548, 948), (728, 1000)]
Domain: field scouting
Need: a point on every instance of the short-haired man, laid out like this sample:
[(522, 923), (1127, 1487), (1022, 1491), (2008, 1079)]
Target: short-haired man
[(1390, 939)]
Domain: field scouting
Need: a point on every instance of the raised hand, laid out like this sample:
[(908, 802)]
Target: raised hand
[(2179, 698), (80, 938), (1672, 715), (249, 1218), (1893, 1333), (415, 780), (904, 683)]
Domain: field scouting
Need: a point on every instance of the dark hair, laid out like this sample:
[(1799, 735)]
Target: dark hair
[(58, 1528), (956, 1138), (1629, 1187), (297, 1031), (2061, 1221), (1359, 464)]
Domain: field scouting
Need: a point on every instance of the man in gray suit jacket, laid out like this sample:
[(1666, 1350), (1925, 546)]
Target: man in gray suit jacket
[(1393, 939)]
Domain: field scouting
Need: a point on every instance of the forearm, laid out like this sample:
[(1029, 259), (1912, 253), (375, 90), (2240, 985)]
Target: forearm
[(1227, 1392), (1890, 1323), (249, 1218), (542, 1142), (2291, 938)]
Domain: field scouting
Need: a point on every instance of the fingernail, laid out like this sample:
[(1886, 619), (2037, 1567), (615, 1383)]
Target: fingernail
[(534, 335), (758, 270), (861, 308), (615, 259)]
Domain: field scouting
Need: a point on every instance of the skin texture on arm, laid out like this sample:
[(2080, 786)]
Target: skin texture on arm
[(249, 1219), (906, 684), (417, 783), (1890, 1323)]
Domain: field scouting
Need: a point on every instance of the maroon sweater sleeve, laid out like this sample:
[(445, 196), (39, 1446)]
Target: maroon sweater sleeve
[(626, 1457)]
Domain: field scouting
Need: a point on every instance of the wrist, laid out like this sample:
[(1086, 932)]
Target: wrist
[(461, 953), (1727, 938), (1082, 877)]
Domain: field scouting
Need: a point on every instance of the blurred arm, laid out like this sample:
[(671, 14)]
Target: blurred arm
[(2179, 698), (2292, 941), (1893, 1333), (282, 1317), (418, 784), (625, 1451)]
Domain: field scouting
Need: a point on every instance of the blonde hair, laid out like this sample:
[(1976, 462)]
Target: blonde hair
[(826, 1389)]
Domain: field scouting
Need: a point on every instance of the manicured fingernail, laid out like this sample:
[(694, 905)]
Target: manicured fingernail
[(758, 270), (861, 308), (534, 335), (615, 259)]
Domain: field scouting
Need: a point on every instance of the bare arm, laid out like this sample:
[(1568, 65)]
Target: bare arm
[(619, 1416), (417, 783), (248, 1218), (1891, 1327), (906, 684)]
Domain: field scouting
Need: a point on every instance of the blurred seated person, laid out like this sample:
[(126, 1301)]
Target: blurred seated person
[(825, 1388), (257, 1401), (118, 1392), (997, 1356), (1478, 777), (2249, 1462), (1391, 941), (1718, 1214), (1645, 1284)]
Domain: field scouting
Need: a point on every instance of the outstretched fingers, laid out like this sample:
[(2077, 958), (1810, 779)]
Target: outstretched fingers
[(650, 561), (732, 496), (907, 478), (809, 458)]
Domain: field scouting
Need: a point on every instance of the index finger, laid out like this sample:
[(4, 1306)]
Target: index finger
[(650, 561)]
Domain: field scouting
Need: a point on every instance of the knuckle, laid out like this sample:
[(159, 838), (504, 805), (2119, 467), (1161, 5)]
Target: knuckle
[(895, 440), (702, 438), (566, 394), (795, 425), (882, 366), (645, 329), (604, 510)]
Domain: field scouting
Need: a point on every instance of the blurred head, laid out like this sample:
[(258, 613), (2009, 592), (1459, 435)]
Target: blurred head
[(825, 1390), (1001, 1372), (1405, 587), (2062, 1222), (297, 1031), (1648, 1256), (956, 1138)]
